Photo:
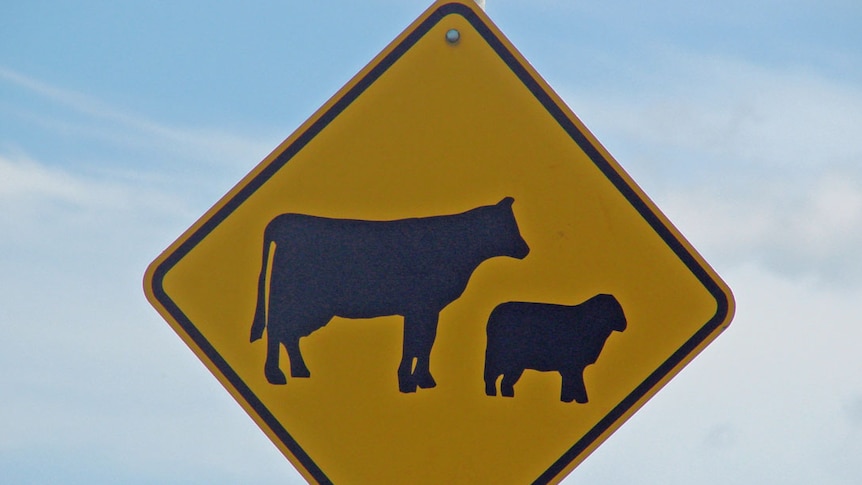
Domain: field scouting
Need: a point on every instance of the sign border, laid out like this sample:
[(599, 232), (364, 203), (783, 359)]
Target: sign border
[(156, 272)]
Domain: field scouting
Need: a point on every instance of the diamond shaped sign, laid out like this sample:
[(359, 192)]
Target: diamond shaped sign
[(441, 277)]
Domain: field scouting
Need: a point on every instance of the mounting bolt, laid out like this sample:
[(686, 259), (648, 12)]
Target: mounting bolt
[(453, 36)]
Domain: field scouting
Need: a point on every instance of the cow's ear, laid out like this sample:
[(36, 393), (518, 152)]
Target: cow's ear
[(506, 202)]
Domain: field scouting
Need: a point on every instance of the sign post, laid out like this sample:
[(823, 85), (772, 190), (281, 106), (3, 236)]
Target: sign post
[(441, 277)]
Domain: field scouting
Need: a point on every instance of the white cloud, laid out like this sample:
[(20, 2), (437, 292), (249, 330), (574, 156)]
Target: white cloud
[(56, 224), (83, 115), (102, 164), (31, 189), (781, 118), (751, 163), (774, 117), (814, 229), (24, 179)]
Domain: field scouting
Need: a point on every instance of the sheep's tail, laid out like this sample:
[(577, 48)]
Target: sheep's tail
[(259, 322)]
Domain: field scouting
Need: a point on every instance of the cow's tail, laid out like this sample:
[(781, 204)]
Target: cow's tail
[(259, 322)]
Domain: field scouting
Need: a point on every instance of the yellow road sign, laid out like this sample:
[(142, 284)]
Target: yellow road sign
[(441, 277)]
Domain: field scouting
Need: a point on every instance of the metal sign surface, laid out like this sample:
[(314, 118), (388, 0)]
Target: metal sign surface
[(441, 277)]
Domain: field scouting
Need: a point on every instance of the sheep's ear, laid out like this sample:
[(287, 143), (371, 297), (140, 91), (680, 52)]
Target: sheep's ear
[(506, 202)]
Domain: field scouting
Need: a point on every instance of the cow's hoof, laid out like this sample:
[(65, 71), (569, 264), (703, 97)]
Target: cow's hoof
[(275, 376), (426, 382), (301, 373), (407, 387), (507, 392)]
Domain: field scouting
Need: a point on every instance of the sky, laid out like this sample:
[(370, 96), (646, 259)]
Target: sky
[(122, 122)]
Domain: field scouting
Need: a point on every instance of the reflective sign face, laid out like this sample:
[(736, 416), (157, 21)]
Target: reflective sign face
[(441, 277)]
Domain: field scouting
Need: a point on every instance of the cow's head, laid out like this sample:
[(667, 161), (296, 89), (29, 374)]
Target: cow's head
[(513, 245)]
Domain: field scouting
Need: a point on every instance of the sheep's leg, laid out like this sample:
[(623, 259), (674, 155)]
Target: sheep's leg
[(574, 388), (273, 374), (507, 385), (491, 376), (491, 386)]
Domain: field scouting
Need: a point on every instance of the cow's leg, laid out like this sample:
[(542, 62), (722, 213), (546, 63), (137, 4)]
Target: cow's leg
[(406, 383), (427, 333), (491, 376), (507, 385), (573, 388), (270, 369), (420, 329), (297, 364)]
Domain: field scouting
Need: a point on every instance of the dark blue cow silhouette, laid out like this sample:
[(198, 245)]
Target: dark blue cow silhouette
[(324, 267), (548, 337)]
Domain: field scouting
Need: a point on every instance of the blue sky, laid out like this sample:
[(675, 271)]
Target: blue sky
[(122, 122)]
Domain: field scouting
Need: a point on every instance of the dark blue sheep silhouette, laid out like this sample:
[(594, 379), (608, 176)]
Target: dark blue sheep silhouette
[(324, 267), (548, 337)]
